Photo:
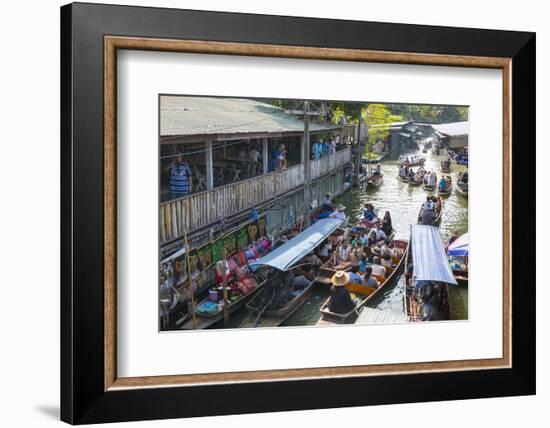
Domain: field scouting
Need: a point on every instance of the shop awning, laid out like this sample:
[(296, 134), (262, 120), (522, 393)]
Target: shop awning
[(430, 261), (285, 256)]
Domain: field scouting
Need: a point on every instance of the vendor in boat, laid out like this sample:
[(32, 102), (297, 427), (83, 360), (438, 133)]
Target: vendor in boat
[(312, 259), (378, 170), (402, 171), (340, 301), (301, 279), (380, 235), (464, 177), (369, 280), (387, 226)]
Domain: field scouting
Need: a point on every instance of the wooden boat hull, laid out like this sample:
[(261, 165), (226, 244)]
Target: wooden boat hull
[(369, 293), (461, 190), (414, 309), (274, 318), (429, 188), (403, 179), (437, 220), (203, 321), (445, 170), (375, 183), (448, 188), (415, 183)]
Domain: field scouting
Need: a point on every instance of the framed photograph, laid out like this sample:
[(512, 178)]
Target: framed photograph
[(267, 213)]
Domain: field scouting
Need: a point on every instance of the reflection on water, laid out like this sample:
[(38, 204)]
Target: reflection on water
[(404, 202)]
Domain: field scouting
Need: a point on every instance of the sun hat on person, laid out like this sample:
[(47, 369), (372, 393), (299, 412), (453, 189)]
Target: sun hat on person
[(340, 278), (340, 207)]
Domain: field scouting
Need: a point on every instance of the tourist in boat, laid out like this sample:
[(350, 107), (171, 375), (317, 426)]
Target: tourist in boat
[(363, 263), (442, 184), (301, 279), (340, 301), (386, 258), (312, 259), (402, 171), (369, 280), (378, 170), (343, 252), (339, 213), (428, 212), (464, 177), (377, 268), (354, 277), (381, 237), (324, 250), (372, 238)]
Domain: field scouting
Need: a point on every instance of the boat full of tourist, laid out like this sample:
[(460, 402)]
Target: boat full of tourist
[(293, 268)]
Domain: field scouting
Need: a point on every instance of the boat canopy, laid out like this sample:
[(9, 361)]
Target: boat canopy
[(290, 252), (460, 247), (429, 259)]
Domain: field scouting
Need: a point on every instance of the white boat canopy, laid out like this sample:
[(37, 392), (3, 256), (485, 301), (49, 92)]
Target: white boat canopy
[(290, 252), (429, 259)]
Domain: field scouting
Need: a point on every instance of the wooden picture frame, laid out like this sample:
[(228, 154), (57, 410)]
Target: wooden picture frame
[(91, 390)]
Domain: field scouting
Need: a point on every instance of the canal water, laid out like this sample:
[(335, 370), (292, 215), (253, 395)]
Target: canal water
[(404, 202)]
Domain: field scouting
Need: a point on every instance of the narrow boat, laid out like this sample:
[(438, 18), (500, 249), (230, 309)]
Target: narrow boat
[(366, 293), (375, 180), (403, 178), (415, 183), (438, 213), (462, 188), (429, 188), (448, 187), (204, 320), (277, 300), (410, 161), (428, 276), (446, 170)]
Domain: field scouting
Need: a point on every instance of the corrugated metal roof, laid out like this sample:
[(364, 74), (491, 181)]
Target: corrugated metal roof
[(181, 115), (454, 129)]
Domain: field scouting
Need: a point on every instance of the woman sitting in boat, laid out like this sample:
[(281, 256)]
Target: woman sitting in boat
[(369, 280), (378, 170), (340, 301), (402, 171), (372, 241)]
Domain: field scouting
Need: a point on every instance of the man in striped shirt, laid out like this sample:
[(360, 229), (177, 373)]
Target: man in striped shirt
[(180, 177)]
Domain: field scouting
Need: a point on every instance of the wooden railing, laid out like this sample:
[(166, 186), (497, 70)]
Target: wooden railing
[(200, 209), (329, 163)]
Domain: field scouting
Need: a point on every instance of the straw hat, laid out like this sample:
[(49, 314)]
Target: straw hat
[(341, 207), (340, 278), (376, 251)]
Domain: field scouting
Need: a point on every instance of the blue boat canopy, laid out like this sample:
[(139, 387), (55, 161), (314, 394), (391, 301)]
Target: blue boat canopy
[(430, 262), (290, 252)]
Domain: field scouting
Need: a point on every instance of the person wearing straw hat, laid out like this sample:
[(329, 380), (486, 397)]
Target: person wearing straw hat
[(339, 213), (340, 301)]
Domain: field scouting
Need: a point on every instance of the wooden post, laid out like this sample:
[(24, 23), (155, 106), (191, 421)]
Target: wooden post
[(209, 166), (265, 156), (307, 163), (187, 261), (224, 268)]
